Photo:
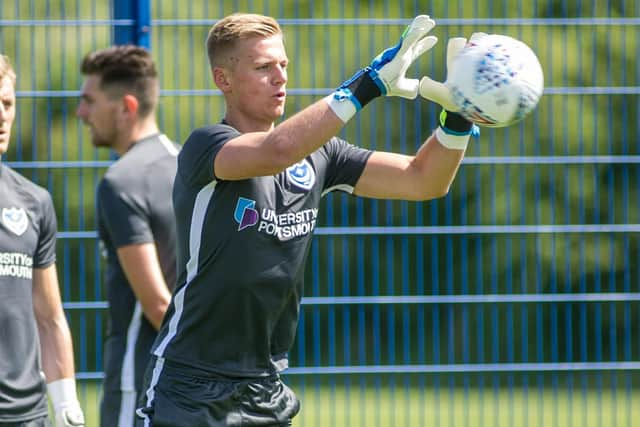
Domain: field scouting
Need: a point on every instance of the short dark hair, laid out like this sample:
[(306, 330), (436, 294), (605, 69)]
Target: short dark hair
[(125, 69)]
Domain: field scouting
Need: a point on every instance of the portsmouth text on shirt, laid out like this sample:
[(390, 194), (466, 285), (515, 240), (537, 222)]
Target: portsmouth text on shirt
[(288, 225), (16, 264)]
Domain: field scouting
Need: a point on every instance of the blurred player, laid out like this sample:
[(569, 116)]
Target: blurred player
[(135, 216), (246, 199), (35, 337)]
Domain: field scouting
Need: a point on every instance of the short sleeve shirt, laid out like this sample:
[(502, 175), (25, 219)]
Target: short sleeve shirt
[(241, 252), (134, 207), (27, 241)]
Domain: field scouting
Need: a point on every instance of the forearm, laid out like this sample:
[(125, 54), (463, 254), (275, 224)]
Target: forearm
[(57, 350), (141, 266), (437, 167), (59, 371), (385, 76), (303, 133), (440, 156), (426, 175)]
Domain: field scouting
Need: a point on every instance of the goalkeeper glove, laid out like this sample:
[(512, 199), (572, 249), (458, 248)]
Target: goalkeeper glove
[(65, 403), (438, 92), (454, 130), (386, 73)]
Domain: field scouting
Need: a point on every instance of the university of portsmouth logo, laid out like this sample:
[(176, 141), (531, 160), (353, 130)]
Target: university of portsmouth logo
[(301, 175), (15, 219), (245, 214)]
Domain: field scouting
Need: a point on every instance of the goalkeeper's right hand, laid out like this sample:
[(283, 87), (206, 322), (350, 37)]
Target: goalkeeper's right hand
[(438, 92), (65, 404), (386, 73)]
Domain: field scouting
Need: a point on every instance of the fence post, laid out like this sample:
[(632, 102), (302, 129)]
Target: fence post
[(139, 32)]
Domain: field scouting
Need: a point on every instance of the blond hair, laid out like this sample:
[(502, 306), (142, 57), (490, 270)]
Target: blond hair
[(6, 70), (226, 32)]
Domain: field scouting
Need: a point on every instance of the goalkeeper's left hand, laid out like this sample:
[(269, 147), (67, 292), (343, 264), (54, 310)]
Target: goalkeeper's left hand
[(65, 403), (386, 75), (454, 129), (439, 92)]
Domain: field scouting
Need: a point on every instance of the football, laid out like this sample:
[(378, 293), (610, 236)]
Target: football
[(495, 80)]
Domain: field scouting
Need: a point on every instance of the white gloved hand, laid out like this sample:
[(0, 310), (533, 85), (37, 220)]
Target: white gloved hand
[(387, 73), (65, 403), (438, 92), (390, 66)]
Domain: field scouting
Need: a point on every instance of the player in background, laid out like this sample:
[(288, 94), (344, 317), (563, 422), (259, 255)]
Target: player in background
[(135, 217), (36, 353), (246, 199)]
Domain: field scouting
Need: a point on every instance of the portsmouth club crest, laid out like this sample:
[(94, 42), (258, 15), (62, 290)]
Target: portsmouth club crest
[(301, 175), (15, 219)]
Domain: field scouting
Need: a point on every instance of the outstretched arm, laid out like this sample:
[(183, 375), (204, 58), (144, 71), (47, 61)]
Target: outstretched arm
[(57, 350), (431, 171), (427, 175), (268, 153)]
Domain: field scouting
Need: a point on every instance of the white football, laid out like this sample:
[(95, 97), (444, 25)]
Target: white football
[(495, 80)]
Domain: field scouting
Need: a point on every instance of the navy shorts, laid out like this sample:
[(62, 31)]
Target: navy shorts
[(181, 397)]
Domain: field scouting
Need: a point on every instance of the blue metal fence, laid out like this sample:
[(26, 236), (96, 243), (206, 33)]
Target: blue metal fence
[(513, 301)]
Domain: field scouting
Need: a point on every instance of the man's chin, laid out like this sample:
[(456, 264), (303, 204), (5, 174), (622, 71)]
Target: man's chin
[(279, 114)]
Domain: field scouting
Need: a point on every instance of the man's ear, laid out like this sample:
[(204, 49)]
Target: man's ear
[(221, 78), (130, 104)]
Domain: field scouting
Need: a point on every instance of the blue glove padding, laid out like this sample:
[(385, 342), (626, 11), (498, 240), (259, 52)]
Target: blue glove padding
[(386, 74)]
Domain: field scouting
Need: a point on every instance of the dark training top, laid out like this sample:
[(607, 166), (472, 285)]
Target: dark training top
[(134, 207), (241, 253), (27, 241)]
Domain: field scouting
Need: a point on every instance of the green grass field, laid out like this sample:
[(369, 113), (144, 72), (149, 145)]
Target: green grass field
[(398, 407)]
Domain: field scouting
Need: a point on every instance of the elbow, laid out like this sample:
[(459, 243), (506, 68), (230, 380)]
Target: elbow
[(433, 193), (442, 192), (280, 158), (281, 154), (156, 313), (430, 193), (279, 161)]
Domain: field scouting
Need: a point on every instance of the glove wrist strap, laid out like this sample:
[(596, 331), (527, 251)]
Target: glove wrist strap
[(365, 86), (454, 123), (355, 93), (454, 130)]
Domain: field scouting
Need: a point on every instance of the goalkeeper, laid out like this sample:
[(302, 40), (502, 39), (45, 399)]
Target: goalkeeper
[(246, 200), (36, 351)]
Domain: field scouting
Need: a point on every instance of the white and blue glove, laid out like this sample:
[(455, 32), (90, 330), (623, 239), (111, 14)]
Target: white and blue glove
[(386, 74), (454, 130), (438, 92), (65, 403)]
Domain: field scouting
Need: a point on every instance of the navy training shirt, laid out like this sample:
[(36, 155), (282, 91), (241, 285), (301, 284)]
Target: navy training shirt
[(27, 240), (241, 254), (134, 207)]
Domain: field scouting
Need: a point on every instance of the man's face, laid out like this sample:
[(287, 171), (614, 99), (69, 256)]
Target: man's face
[(7, 112), (99, 112), (257, 79)]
